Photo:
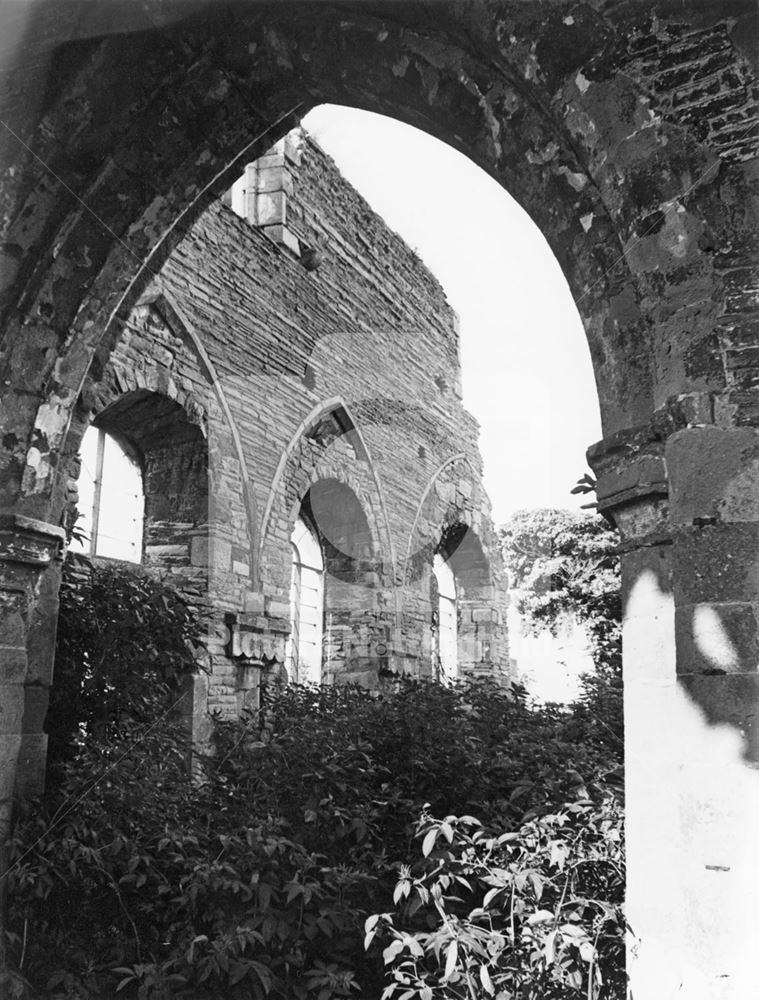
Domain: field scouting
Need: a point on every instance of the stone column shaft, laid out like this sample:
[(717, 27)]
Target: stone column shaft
[(27, 549), (687, 503)]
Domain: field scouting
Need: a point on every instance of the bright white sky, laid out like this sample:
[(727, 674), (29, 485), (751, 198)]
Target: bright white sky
[(526, 367)]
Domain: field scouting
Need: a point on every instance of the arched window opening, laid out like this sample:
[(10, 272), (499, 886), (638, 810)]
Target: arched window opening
[(446, 634), (143, 487), (304, 648), (111, 498), (353, 628)]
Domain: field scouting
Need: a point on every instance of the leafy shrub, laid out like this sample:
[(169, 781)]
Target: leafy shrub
[(535, 914), (257, 881), (125, 642), (474, 745), (251, 878)]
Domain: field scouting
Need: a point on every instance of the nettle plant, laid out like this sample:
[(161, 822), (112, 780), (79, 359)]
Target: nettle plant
[(534, 914)]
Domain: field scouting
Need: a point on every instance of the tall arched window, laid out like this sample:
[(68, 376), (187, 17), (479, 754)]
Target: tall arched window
[(304, 652), (111, 498), (446, 638)]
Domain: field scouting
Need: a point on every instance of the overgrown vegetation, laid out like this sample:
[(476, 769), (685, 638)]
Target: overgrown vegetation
[(125, 644), (256, 877)]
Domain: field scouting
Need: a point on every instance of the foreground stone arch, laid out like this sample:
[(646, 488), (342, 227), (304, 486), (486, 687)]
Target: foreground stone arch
[(629, 135)]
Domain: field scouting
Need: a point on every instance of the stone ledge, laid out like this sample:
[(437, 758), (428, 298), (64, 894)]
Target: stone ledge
[(12, 521), (631, 494)]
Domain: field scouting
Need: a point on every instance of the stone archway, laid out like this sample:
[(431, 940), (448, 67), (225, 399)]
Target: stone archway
[(628, 134)]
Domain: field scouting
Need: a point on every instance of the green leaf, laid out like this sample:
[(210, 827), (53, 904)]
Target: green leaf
[(429, 841), (294, 890), (392, 951), (537, 884), (509, 838), (451, 958), (490, 896), (486, 981), (587, 951), (573, 931), (237, 972), (264, 975), (413, 946)]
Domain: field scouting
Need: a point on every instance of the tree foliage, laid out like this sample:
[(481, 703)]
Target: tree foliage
[(566, 566)]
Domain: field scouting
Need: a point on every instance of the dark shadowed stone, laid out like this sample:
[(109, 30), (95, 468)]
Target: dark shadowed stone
[(731, 700)]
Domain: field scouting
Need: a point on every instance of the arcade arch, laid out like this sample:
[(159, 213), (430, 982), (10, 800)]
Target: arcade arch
[(352, 626)]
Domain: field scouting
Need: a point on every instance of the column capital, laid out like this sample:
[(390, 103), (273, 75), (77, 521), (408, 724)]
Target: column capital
[(632, 489), (28, 540)]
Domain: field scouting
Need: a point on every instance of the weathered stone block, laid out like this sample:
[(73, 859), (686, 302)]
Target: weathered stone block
[(274, 179), (271, 208), (12, 617), (485, 615), (279, 233), (645, 469), (254, 602), (221, 554), (713, 472), (650, 559), (199, 550), (717, 638), (32, 757), (35, 708), (165, 553), (10, 744), (13, 665), (716, 563), (279, 609), (11, 708), (730, 699)]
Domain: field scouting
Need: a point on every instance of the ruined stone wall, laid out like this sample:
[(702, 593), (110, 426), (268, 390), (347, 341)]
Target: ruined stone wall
[(256, 366)]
